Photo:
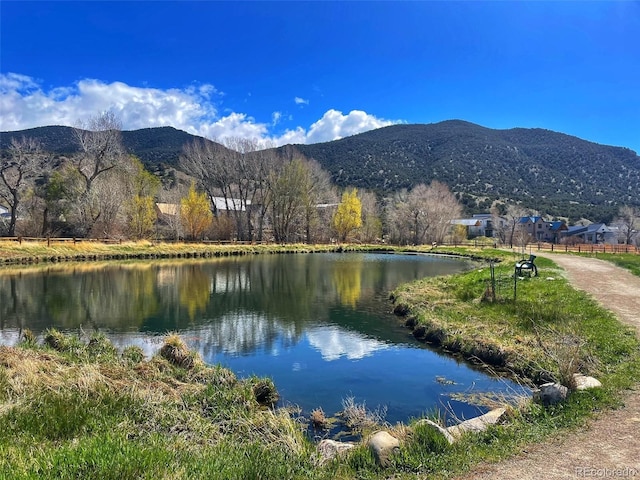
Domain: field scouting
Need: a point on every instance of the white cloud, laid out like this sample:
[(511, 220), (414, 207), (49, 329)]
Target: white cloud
[(334, 125), (195, 109), (300, 101), (334, 343)]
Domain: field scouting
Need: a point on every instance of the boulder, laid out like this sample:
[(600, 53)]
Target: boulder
[(383, 445), (444, 431), (550, 393), (583, 382), (330, 449), (477, 424)]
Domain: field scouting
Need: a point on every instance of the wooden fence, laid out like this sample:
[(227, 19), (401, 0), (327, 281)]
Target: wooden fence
[(585, 248), (117, 241), (551, 247)]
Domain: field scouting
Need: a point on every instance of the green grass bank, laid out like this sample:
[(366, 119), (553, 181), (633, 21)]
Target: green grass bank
[(629, 261)]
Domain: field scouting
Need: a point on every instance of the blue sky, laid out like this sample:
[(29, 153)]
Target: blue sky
[(295, 72)]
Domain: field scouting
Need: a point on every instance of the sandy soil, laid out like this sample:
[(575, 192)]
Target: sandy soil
[(610, 446)]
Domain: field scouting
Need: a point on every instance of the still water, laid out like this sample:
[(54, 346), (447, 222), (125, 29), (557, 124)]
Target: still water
[(320, 325)]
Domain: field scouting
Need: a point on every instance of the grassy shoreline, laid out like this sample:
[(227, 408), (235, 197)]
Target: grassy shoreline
[(84, 409), (27, 253)]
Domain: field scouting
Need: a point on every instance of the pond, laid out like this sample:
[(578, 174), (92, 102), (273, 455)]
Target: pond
[(319, 325)]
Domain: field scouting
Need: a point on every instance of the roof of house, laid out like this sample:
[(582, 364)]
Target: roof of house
[(557, 226), (219, 202), (168, 208), (532, 219), (591, 228), (467, 222)]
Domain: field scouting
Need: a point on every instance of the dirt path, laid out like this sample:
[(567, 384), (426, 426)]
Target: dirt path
[(610, 446)]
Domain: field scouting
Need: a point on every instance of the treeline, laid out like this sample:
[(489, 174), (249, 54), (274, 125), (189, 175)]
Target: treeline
[(240, 190)]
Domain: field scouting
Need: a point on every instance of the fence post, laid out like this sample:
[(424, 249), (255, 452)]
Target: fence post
[(48, 240), (493, 282)]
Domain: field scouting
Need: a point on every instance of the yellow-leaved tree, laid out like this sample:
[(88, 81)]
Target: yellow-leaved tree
[(195, 213), (348, 216), (141, 214)]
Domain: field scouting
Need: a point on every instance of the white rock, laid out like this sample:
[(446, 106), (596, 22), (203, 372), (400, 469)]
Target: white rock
[(439, 428), (383, 445), (477, 424), (330, 449), (584, 382)]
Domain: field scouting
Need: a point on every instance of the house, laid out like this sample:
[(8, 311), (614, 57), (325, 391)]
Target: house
[(230, 204), (479, 225), (542, 230), (4, 212), (167, 211), (472, 225), (592, 233)]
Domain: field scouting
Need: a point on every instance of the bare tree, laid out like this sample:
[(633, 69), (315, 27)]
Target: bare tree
[(628, 223), (426, 212), (319, 191), (102, 151), (216, 169), (256, 163), (371, 229), (395, 218), (508, 223), (267, 162), (443, 207), (101, 146), (289, 187), (18, 171)]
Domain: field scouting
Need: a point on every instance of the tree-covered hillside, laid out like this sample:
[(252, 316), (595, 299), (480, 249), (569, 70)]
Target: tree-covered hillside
[(548, 171), (157, 148), (551, 172)]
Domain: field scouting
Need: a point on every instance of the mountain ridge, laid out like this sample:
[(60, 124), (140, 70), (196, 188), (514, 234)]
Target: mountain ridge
[(552, 172)]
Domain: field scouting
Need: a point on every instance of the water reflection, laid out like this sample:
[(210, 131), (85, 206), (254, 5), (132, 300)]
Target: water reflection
[(318, 324), (334, 343), (269, 295)]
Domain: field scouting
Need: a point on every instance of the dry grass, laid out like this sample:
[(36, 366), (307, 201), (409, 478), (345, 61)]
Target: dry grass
[(567, 352), (193, 403), (358, 418), (318, 418), (175, 351), (30, 370)]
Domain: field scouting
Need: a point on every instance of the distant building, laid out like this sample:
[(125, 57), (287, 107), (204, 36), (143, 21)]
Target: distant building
[(479, 225), (170, 210), (593, 233), (542, 230), (167, 211), (4, 212), (230, 204)]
